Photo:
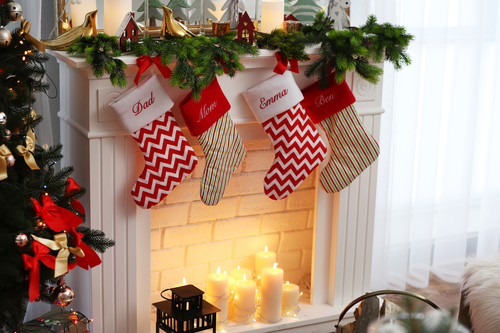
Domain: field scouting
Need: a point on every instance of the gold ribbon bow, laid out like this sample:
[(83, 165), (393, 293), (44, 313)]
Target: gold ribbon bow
[(4, 152), (60, 243), (25, 30), (27, 151)]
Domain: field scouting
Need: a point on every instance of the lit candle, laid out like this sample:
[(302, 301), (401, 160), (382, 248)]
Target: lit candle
[(238, 273), (264, 259), (244, 300), (272, 289), (218, 293), (78, 10), (230, 282), (272, 15), (290, 298), (114, 13)]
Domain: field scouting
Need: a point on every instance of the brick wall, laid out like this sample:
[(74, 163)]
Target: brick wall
[(190, 239)]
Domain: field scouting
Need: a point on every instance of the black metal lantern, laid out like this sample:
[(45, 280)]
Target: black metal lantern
[(186, 312)]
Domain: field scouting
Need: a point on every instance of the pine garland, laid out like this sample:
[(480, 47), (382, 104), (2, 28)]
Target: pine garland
[(98, 50), (286, 43), (198, 59), (351, 50)]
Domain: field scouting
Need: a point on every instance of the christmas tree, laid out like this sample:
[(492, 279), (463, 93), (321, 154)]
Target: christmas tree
[(176, 6), (40, 214), (305, 11), (196, 16), (154, 13)]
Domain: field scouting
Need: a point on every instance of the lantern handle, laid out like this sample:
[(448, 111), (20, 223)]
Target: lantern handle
[(161, 294)]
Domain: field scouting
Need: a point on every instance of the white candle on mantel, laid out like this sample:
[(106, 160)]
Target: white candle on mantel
[(244, 300), (114, 13), (272, 15), (238, 273), (79, 9), (217, 293), (290, 297), (271, 289), (264, 259)]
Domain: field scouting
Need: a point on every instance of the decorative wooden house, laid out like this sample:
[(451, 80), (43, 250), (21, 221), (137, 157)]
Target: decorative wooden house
[(128, 30), (290, 17), (245, 27)]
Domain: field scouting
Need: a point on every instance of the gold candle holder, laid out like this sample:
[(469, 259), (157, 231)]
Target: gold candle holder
[(291, 26), (220, 28)]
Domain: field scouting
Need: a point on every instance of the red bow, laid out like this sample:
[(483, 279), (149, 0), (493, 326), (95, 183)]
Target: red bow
[(75, 203), (283, 64), (57, 218), (91, 258), (31, 264), (145, 61)]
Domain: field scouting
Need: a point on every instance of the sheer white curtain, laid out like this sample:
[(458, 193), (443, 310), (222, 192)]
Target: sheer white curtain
[(438, 196)]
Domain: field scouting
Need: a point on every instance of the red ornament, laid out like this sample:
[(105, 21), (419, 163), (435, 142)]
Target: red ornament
[(245, 28)]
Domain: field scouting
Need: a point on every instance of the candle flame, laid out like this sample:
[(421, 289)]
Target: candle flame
[(245, 277), (218, 270), (225, 273), (183, 281), (238, 267), (275, 265), (265, 250), (287, 283)]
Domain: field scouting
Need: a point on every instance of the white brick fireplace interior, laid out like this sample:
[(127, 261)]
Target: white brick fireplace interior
[(319, 238)]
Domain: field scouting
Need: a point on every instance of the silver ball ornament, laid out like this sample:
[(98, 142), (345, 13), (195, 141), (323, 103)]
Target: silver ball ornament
[(10, 160), (5, 37), (63, 295), (15, 10), (21, 240), (3, 118)]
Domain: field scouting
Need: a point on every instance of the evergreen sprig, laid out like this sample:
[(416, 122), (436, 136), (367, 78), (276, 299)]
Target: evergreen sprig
[(198, 60), (96, 239), (98, 50), (352, 50), (286, 43)]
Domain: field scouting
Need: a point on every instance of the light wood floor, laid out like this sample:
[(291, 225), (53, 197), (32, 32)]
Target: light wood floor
[(445, 294)]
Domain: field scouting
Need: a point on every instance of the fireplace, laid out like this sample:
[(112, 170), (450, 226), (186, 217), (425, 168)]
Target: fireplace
[(156, 248)]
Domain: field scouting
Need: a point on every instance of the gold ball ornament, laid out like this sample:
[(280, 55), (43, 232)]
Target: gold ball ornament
[(5, 37), (63, 295), (3, 118), (15, 10), (21, 240), (10, 160)]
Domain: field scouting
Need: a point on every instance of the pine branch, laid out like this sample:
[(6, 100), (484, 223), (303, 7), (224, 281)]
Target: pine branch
[(96, 239)]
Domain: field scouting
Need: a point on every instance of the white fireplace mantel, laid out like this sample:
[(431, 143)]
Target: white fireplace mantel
[(117, 293)]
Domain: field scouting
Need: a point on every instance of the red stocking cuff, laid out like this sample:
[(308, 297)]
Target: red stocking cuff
[(200, 116), (322, 103)]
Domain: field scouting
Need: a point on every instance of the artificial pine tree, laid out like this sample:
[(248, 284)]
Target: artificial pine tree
[(176, 6), (154, 14), (39, 207), (196, 16)]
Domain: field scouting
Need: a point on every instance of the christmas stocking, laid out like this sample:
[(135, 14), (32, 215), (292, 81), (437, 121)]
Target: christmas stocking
[(353, 149), (209, 121), (297, 144), (144, 112)]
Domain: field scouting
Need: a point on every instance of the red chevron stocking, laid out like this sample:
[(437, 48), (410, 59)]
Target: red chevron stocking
[(297, 144), (353, 147), (144, 113)]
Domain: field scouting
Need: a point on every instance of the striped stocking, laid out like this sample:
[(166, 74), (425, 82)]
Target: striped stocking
[(298, 146), (168, 156), (353, 148), (209, 121)]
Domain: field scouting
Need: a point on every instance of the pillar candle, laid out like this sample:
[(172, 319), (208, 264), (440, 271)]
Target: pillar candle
[(238, 273), (114, 13), (290, 298), (244, 300), (271, 289), (264, 259), (78, 11), (272, 15), (217, 293), (230, 282)]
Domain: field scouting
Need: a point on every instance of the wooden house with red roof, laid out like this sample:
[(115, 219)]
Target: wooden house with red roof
[(128, 30)]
